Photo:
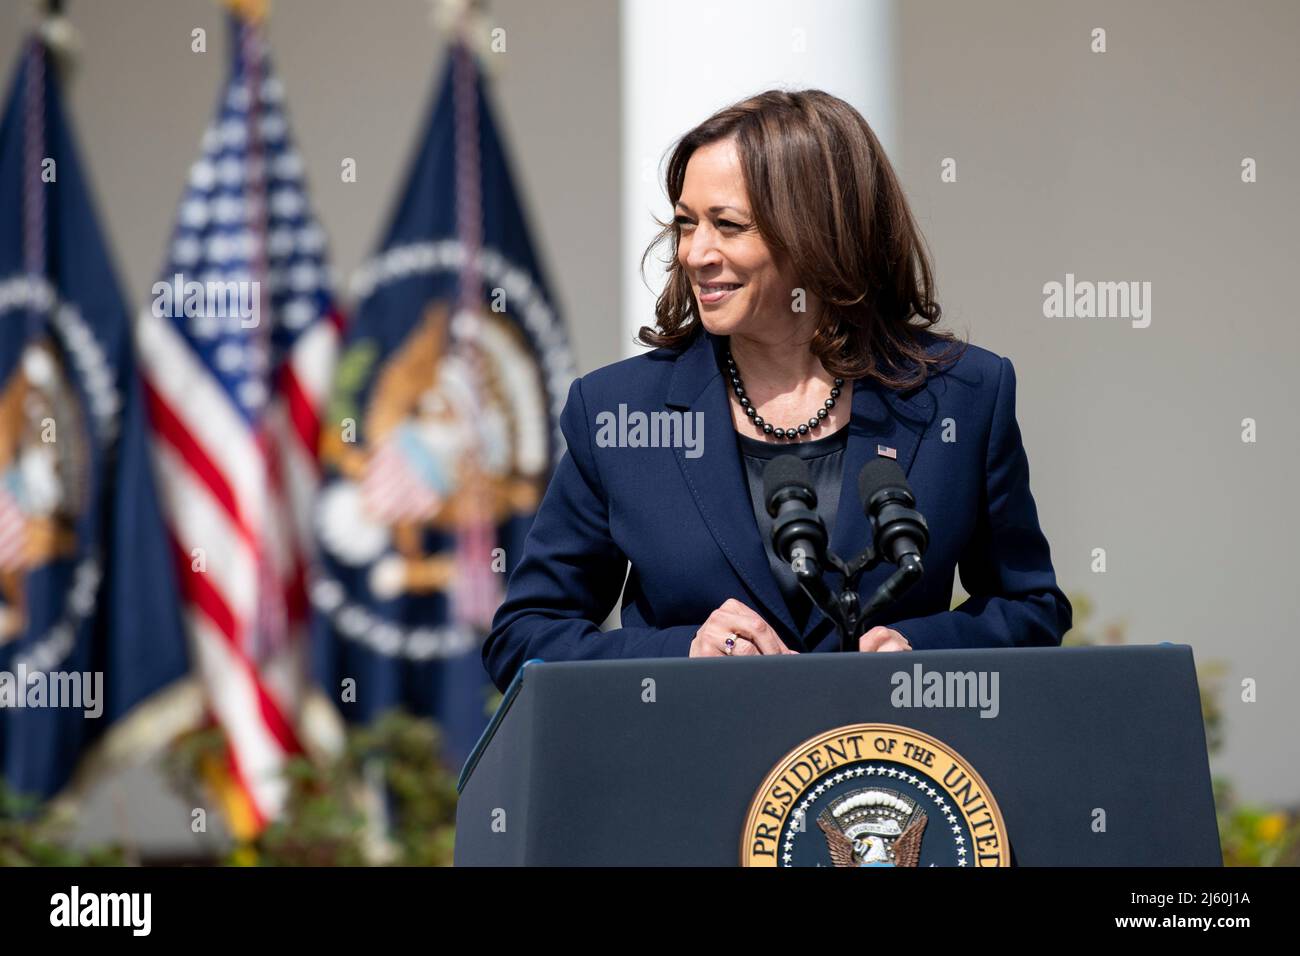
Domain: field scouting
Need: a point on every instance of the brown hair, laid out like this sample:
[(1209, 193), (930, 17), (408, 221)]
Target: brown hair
[(824, 194)]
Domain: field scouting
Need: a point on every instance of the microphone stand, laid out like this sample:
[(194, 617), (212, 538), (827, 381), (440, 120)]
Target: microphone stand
[(797, 529), (843, 609)]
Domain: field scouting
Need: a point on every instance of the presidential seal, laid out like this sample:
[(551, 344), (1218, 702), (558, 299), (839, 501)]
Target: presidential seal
[(874, 795)]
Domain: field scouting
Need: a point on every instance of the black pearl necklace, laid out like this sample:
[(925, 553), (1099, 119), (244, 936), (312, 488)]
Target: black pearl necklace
[(766, 427)]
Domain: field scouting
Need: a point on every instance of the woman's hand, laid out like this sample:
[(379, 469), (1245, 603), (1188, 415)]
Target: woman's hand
[(748, 632), (881, 638)]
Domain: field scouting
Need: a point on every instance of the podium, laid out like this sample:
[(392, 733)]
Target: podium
[(1087, 757)]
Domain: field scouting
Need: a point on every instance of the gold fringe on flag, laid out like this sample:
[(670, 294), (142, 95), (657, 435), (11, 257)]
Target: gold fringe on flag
[(250, 11)]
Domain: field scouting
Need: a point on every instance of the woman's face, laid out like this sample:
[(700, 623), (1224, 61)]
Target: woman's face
[(739, 285)]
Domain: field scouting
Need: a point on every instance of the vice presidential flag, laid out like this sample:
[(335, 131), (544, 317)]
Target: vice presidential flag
[(88, 625), (238, 343), (441, 430)]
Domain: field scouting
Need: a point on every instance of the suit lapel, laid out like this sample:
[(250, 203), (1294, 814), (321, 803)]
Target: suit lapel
[(881, 417), (717, 481), (717, 478)]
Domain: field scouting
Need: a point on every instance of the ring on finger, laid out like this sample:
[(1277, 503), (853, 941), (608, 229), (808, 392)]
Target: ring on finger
[(730, 643)]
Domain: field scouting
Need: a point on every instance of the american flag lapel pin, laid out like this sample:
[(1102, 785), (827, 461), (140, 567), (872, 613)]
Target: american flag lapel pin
[(884, 451)]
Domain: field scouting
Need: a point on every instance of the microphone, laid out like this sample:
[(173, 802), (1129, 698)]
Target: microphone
[(799, 537), (901, 532), (798, 533)]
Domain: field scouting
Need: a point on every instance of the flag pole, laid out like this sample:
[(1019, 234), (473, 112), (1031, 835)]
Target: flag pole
[(475, 589), (33, 195)]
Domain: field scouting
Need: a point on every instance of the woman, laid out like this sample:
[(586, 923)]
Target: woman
[(786, 326)]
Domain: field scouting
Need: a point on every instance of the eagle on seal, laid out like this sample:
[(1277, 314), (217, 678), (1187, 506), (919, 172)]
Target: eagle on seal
[(875, 851)]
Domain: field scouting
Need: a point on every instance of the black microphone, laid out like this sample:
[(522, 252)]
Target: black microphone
[(890, 505), (797, 530)]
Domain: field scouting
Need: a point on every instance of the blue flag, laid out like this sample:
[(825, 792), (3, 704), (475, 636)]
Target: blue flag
[(441, 430), (88, 624)]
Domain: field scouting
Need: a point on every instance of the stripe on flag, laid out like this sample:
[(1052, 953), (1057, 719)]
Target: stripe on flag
[(235, 389)]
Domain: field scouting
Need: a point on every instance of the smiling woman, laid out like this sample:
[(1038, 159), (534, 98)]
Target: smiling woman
[(797, 319), (786, 206)]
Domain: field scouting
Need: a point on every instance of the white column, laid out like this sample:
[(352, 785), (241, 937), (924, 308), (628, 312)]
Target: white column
[(683, 59)]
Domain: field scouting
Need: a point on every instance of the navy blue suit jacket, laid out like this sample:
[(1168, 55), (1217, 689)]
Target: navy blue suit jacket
[(687, 524)]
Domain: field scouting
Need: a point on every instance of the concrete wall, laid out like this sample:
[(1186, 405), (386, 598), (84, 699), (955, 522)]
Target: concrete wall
[(1126, 165)]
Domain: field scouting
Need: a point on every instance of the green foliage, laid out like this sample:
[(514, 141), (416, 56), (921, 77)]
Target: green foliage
[(389, 798), (182, 763), (1253, 836), (350, 377), (407, 752), (31, 835), (323, 823), (1209, 677)]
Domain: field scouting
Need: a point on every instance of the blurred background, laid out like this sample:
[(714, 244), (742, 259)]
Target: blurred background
[(1112, 156)]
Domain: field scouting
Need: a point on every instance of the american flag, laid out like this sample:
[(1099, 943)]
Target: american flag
[(393, 490), (235, 407), (13, 531)]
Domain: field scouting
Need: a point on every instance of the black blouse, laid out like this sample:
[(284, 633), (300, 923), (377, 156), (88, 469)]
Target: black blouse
[(825, 459)]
